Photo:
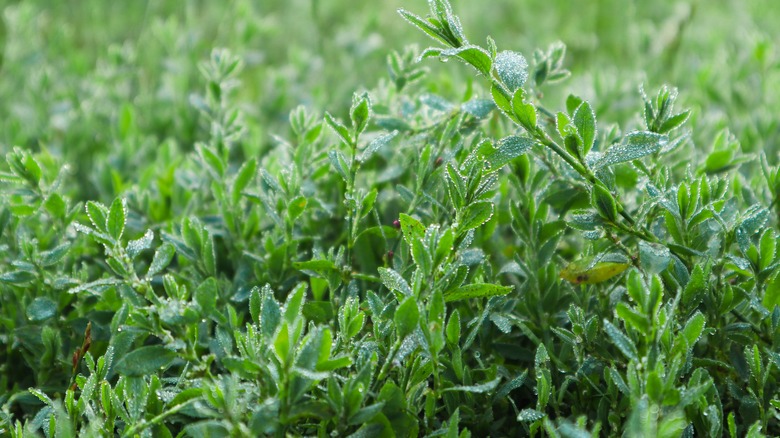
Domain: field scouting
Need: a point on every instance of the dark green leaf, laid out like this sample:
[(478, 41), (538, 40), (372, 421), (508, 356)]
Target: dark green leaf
[(206, 296), (144, 361), (585, 122), (115, 223), (604, 203), (407, 317), (621, 341), (360, 113), (41, 309), (475, 215)]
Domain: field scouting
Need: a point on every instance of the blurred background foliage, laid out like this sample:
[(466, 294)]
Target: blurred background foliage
[(71, 69)]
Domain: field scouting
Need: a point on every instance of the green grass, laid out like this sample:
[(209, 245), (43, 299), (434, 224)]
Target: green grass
[(272, 218)]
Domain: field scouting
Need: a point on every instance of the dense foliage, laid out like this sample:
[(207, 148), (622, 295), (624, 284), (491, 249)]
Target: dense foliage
[(466, 249)]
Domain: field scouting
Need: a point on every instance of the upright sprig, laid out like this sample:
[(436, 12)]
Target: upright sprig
[(359, 204), (571, 134)]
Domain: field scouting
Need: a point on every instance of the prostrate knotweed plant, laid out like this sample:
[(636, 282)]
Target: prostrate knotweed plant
[(427, 267)]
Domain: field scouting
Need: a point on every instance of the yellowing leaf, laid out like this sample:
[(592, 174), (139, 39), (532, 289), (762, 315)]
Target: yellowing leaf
[(585, 271)]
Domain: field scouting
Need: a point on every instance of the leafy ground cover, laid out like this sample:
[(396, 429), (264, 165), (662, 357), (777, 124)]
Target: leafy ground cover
[(206, 231)]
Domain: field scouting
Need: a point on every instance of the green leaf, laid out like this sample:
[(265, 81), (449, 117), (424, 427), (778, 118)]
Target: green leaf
[(635, 145), (255, 303), (476, 389), (573, 103), (339, 163), (502, 101), (115, 223), (476, 290), (144, 361), (512, 69), (524, 112), (601, 199), (365, 414), (511, 385), (621, 341), (475, 215), (296, 207), (508, 149), (321, 267), (772, 292), (270, 313), (97, 213), (696, 286), (41, 309), (424, 26), (321, 312), (407, 317), (473, 55), (585, 121), (694, 328), (282, 343), (394, 281), (206, 296), (162, 258), (55, 205), (376, 144), (294, 305), (456, 186), (339, 129), (33, 169), (453, 328), (530, 416), (17, 277), (360, 113), (633, 318), (767, 248), (411, 228), (674, 122), (210, 158), (245, 175), (479, 108), (54, 255), (653, 257), (422, 257), (367, 204)]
